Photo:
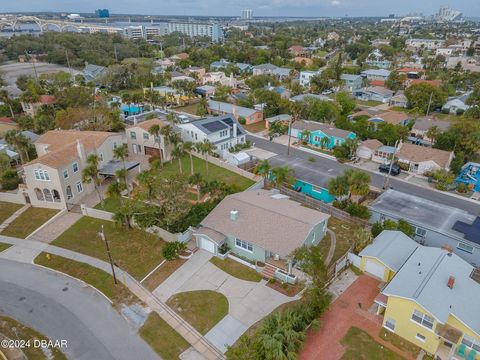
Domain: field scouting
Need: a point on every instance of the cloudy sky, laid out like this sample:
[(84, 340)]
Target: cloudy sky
[(233, 7)]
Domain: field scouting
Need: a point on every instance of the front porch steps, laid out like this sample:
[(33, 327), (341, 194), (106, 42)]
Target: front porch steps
[(268, 271)]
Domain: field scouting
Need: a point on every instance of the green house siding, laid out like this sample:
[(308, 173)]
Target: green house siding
[(257, 254), (317, 233)]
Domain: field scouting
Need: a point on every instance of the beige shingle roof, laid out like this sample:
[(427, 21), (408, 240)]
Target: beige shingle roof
[(149, 123), (417, 153), (372, 144), (276, 224)]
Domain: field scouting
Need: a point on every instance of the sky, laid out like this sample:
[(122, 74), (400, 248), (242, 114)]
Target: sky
[(314, 8)]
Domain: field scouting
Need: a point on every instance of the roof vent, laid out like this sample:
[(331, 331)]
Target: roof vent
[(451, 282), (447, 248), (233, 215)]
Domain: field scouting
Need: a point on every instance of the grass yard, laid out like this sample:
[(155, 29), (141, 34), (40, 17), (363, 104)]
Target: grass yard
[(99, 279), (110, 204), (369, 103), (400, 343), (202, 309), (214, 172), (162, 273), (135, 251), (4, 246), (29, 221), (345, 234), (361, 346), (162, 337), (7, 209), (14, 330), (236, 269), (189, 109)]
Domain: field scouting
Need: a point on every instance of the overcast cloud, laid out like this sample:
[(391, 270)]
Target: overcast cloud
[(316, 8)]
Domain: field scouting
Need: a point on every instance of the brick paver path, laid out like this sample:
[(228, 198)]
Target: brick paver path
[(350, 309)]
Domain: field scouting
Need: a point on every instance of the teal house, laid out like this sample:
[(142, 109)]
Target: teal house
[(260, 225), (319, 134)]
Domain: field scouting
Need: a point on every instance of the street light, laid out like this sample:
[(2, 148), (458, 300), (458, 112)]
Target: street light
[(387, 176), (104, 238)]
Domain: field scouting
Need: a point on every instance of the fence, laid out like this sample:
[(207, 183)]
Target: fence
[(320, 205), (98, 214), (16, 198), (170, 237), (339, 265)]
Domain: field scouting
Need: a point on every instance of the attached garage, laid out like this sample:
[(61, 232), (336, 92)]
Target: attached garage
[(374, 268), (207, 244), (209, 239), (152, 151)]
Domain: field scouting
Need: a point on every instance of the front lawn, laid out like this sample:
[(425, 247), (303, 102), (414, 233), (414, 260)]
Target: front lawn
[(28, 221), (14, 330), (162, 273), (4, 246), (7, 209), (202, 309), (236, 269), (99, 279), (361, 346), (111, 204), (135, 251), (214, 172), (162, 337), (255, 127)]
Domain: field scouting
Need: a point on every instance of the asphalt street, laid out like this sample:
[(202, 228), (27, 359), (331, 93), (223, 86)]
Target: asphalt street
[(323, 169), (62, 308)]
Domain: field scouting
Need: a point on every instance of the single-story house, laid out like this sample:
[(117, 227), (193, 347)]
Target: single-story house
[(422, 159), (303, 97), (384, 257), (220, 64), (376, 74), (435, 224), (352, 82), (251, 116), (366, 149), (383, 154), (399, 100), (418, 134), (457, 104), (285, 118), (177, 76), (374, 93), (206, 90), (319, 131), (391, 117), (261, 225), (93, 72)]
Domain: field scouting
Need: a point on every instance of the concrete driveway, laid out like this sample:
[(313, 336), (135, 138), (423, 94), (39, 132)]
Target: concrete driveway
[(248, 301)]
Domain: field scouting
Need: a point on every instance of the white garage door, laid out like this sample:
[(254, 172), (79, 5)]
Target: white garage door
[(207, 245), (375, 269)]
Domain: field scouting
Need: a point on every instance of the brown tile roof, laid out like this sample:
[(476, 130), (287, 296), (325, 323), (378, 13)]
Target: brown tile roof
[(393, 117), (146, 125), (434, 83), (277, 224), (417, 153), (47, 99), (377, 83), (372, 144), (62, 145)]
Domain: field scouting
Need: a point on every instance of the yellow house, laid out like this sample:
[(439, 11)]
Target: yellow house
[(433, 301), (386, 255)]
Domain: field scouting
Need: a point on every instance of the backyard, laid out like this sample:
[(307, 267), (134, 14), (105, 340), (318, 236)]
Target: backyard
[(255, 127), (236, 269), (135, 251), (97, 278), (214, 172), (361, 346), (110, 204), (345, 233), (202, 309), (7, 209), (28, 221), (162, 337)]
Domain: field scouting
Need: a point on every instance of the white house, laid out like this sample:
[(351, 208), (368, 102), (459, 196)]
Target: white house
[(305, 77)]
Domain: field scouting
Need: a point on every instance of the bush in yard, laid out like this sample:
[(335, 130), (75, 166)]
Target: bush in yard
[(9, 180), (462, 188), (377, 228), (358, 210), (171, 249)]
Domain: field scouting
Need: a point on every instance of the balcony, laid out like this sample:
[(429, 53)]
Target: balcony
[(450, 336)]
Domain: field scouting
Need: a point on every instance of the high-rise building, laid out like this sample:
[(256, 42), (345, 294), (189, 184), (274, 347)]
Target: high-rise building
[(212, 30), (102, 13), (448, 14), (247, 14)]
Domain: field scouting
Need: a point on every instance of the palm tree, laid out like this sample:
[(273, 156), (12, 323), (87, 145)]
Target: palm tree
[(188, 146), (263, 169), (20, 143), (172, 118), (433, 133), (5, 98), (280, 175), (206, 148), (178, 152), (155, 131), (306, 135), (196, 180), (358, 182), (147, 181), (166, 132), (296, 110), (338, 186), (91, 174), (125, 213), (324, 142), (121, 153)]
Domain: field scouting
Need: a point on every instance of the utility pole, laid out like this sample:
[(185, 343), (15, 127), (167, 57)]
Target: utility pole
[(289, 135), (429, 103), (33, 64), (103, 237), (115, 51), (387, 177)]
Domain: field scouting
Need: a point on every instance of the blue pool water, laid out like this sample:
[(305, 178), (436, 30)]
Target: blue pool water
[(131, 110), (313, 191)]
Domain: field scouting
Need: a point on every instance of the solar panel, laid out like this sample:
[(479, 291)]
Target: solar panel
[(471, 231), (214, 126)]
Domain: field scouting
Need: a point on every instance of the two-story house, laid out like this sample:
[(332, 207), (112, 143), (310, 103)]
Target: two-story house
[(222, 131), (352, 82), (306, 76), (140, 141), (318, 134), (251, 116), (54, 179)]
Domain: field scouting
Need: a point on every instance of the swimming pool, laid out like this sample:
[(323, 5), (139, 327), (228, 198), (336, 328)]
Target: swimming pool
[(313, 191)]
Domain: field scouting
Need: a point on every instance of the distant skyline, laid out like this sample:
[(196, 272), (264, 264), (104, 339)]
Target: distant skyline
[(311, 8)]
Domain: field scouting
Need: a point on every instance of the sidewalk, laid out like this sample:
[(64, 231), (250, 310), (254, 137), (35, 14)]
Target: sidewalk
[(199, 343), (15, 215)]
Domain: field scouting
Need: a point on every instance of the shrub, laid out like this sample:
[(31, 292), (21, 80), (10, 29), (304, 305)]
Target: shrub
[(462, 188), (358, 210), (377, 228), (242, 121), (224, 248), (9, 180), (171, 249)]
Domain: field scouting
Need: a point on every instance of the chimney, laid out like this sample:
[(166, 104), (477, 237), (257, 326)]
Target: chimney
[(451, 282), (234, 130), (233, 215), (81, 151)]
